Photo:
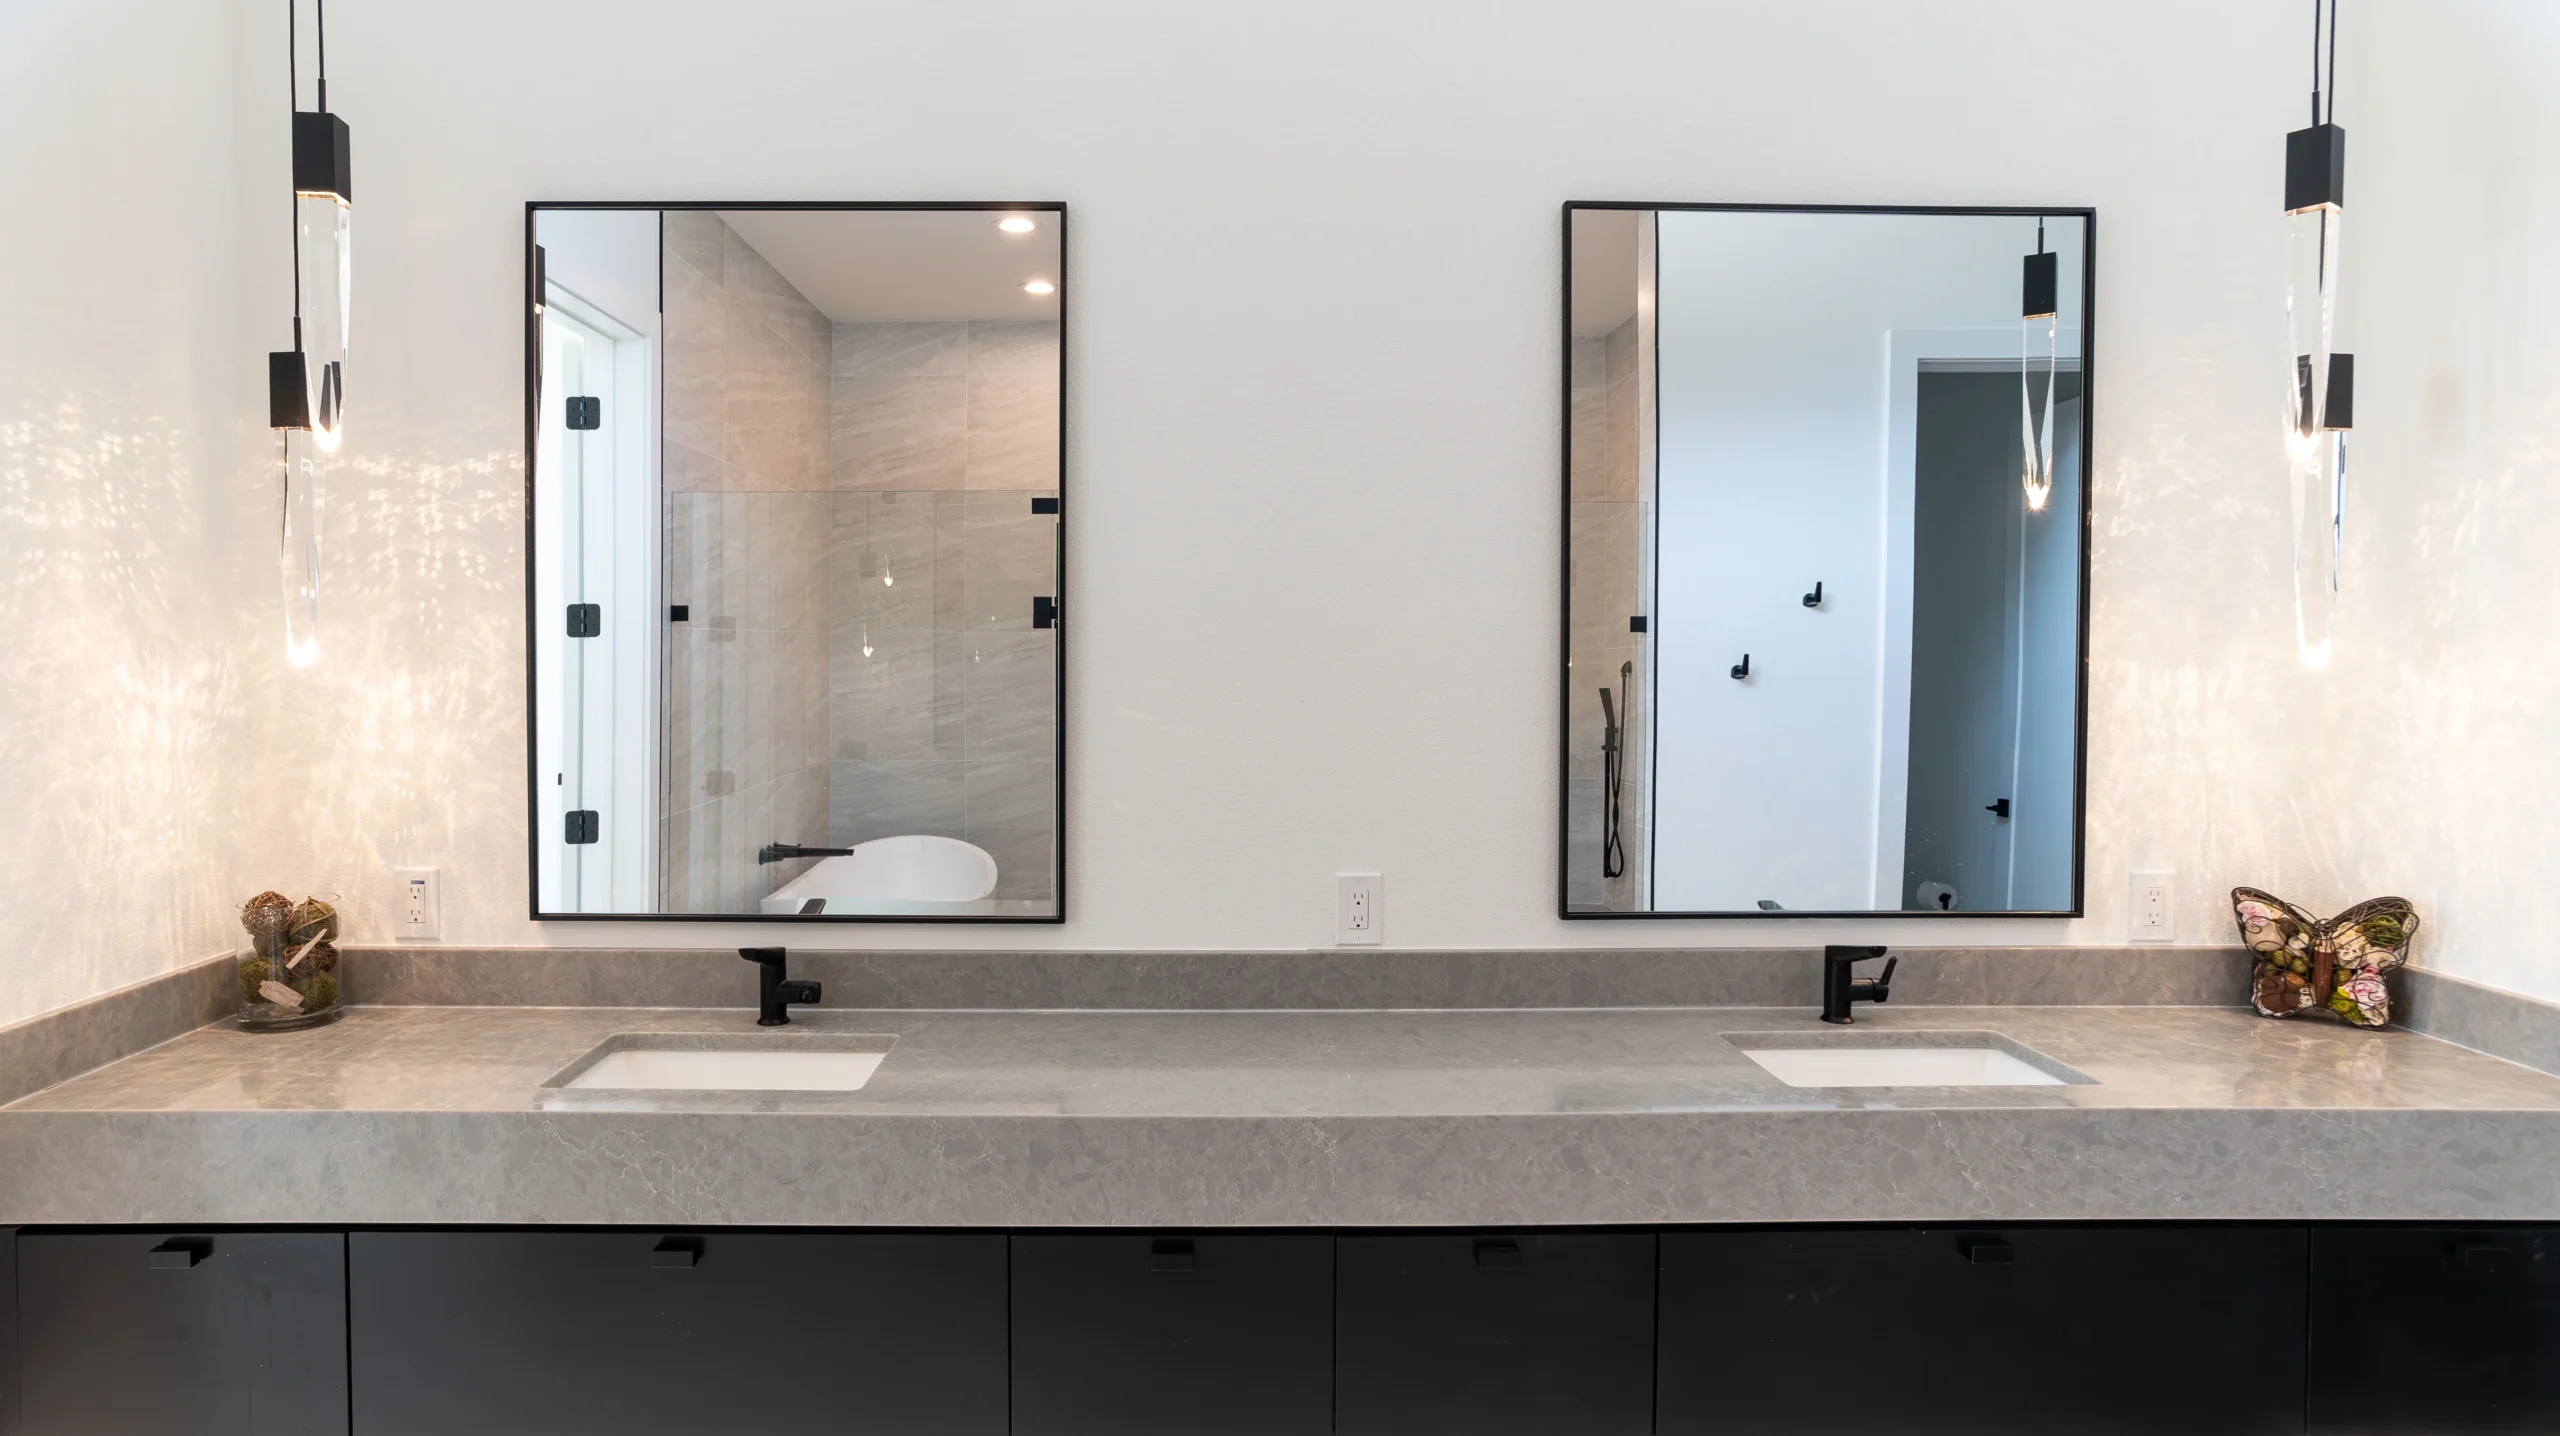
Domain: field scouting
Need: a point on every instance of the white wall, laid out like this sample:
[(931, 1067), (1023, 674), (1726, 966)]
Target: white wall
[(2447, 788), (128, 508), (1775, 338), (1313, 428)]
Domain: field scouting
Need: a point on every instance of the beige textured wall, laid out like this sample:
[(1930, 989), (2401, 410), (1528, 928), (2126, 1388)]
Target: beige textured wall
[(141, 630), (748, 497)]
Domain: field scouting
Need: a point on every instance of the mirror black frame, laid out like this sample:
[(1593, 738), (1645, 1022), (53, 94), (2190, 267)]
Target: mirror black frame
[(2088, 218), (532, 424)]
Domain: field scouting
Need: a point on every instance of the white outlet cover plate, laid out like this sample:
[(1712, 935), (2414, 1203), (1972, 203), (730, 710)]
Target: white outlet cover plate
[(1349, 929), (421, 915), (2166, 930)]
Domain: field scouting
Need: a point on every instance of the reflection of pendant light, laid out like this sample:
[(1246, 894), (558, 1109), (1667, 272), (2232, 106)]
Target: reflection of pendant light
[(2320, 388), (306, 385), (2039, 349)]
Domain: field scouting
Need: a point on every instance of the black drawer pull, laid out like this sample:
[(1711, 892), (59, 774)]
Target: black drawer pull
[(1989, 1251), (1497, 1254), (674, 1252), (2482, 1254), (180, 1253), (1170, 1254)]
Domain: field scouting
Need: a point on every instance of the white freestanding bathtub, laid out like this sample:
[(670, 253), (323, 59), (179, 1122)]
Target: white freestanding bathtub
[(887, 876)]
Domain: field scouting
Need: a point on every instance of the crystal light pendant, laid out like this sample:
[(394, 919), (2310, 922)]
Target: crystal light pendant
[(306, 385), (2039, 355), (2320, 381)]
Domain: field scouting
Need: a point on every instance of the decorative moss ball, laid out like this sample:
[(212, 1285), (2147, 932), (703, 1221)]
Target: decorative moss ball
[(320, 993), (312, 918), (251, 975), (266, 916)]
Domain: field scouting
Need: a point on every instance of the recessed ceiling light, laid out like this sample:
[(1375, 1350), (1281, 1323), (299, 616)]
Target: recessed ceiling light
[(1039, 286), (1016, 224)]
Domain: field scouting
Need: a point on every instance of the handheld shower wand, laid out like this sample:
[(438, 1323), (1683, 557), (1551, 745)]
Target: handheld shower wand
[(1613, 773)]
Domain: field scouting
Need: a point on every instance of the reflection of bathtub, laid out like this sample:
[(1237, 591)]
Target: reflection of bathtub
[(886, 876)]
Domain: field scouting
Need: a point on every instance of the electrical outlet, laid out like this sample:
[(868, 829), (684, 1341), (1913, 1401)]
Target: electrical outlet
[(2154, 909), (414, 906), (1355, 914)]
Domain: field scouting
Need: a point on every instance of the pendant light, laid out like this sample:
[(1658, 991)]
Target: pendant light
[(2039, 355), (306, 385), (2320, 387)]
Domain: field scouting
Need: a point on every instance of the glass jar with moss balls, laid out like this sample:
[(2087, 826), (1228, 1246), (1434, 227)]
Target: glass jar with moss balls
[(289, 970)]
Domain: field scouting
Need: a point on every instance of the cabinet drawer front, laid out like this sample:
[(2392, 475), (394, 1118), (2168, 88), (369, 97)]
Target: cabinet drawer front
[(2031, 1330), (2435, 1330), (1494, 1334), (191, 1334), (644, 1332), (1137, 1335)]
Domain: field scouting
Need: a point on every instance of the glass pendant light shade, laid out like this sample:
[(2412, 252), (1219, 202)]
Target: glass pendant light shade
[(322, 255), (2039, 355), (299, 543)]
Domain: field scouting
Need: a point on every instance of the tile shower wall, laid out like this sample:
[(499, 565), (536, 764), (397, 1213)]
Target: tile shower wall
[(746, 477), (941, 703), (1608, 543)]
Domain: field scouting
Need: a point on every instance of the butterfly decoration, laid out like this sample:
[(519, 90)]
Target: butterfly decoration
[(2339, 964)]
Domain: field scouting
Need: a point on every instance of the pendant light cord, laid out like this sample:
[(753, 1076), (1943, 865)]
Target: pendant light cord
[(2320, 114), (2332, 115), (320, 13), (293, 106)]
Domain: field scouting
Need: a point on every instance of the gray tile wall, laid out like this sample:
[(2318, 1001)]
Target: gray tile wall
[(1608, 527), (941, 703), (747, 479)]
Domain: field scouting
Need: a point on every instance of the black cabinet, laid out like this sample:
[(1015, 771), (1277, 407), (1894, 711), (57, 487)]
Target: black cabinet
[(192, 1334), (1141, 1335), (641, 1332), (1492, 1335), (2435, 1330), (2195, 1331)]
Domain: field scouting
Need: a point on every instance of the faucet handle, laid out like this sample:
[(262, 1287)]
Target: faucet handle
[(1883, 984)]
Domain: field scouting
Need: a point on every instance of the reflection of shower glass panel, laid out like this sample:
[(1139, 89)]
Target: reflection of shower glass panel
[(1859, 677), (855, 533)]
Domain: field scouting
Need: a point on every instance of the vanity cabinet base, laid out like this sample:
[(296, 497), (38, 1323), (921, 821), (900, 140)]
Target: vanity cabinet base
[(2434, 1331), (1494, 1334), (633, 1333), (1980, 1332), (1138, 1335), (182, 1334)]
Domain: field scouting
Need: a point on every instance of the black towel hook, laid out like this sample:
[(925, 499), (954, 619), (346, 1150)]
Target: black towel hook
[(1743, 669), (1814, 599)]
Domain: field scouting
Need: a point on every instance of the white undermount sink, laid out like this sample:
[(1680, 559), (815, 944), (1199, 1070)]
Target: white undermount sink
[(723, 1062), (1901, 1059)]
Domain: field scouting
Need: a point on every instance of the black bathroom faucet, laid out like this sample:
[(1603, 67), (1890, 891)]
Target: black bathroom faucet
[(1841, 986), (775, 993)]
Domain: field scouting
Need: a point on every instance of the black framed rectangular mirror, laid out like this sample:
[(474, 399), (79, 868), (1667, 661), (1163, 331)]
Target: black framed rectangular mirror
[(796, 561), (1826, 560)]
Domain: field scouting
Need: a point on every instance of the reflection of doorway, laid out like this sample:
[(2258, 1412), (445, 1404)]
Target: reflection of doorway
[(595, 648), (1994, 639)]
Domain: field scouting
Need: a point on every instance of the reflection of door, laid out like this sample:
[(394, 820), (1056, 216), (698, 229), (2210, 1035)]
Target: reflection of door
[(1966, 507), (1994, 632), (595, 611)]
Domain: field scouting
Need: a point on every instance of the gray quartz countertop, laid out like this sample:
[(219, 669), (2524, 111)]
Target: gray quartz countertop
[(1273, 1118)]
